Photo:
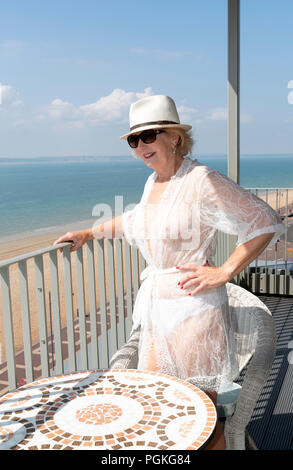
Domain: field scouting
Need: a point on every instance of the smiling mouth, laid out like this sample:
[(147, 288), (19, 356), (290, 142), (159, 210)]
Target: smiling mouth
[(149, 155)]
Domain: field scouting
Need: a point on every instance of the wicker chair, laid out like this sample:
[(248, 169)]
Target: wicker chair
[(255, 337)]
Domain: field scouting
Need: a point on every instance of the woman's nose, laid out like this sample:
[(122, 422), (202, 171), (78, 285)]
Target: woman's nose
[(140, 143), (141, 146)]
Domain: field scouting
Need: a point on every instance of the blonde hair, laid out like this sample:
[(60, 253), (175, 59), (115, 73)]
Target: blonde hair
[(185, 143)]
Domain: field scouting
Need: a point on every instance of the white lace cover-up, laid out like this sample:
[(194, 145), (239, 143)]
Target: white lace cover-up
[(190, 337)]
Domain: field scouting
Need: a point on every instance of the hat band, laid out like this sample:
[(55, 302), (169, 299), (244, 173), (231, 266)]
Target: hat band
[(153, 123)]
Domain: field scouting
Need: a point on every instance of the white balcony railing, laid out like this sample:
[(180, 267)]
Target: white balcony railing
[(82, 301)]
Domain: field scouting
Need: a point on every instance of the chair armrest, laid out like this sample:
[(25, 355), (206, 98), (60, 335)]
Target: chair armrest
[(127, 356), (256, 376)]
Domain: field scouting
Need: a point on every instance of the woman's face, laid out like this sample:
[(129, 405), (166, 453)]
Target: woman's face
[(159, 154)]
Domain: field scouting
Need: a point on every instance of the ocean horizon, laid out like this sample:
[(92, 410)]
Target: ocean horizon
[(47, 194)]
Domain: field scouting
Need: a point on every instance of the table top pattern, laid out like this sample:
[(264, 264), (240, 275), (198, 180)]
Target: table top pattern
[(106, 409)]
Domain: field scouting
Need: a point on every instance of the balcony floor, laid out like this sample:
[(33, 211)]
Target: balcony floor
[(271, 426)]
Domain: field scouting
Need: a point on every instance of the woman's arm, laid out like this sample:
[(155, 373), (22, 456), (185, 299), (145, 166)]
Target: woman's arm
[(227, 207), (110, 229), (245, 254), (205, 277)]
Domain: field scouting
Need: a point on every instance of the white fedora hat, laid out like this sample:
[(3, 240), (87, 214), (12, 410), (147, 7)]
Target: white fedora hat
[(153, 112)]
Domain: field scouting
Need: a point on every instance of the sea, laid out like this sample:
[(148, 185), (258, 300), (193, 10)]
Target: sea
[(43, 195)]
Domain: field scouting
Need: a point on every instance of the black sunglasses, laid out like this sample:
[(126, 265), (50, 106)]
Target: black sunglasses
[(148, 137)]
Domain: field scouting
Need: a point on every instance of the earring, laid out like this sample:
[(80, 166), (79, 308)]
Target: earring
[(174, 149)]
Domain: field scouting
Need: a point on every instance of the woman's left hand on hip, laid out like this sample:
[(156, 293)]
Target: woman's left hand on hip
[(200, 278)]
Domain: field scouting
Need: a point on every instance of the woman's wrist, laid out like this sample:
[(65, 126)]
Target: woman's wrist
[(226, 273)]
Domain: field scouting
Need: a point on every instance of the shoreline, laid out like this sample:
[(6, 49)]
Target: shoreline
[(24, 242), (75, 225)]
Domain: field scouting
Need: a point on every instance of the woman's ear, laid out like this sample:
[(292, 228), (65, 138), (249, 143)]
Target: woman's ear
[(175, 139)]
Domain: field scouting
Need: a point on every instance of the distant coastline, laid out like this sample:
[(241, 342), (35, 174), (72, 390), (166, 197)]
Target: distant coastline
[(65, 159), (46, 231), (100, 158)]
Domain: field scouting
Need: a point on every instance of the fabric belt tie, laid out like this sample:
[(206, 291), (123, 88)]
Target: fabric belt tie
[(145, 296), (143, 302), (152, 270)]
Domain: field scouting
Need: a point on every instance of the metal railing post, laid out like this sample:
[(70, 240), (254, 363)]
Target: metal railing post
[(233, 97)]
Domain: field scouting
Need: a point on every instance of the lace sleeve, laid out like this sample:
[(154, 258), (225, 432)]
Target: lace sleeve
[(229, 208), (128, 219)]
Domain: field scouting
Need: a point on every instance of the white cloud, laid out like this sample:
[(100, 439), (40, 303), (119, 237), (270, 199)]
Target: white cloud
[(186, 113), (9, 96), (113, 106), (290, 95), (221, 114), (217, 114), (185, 109), (60, 109), (106, 109)]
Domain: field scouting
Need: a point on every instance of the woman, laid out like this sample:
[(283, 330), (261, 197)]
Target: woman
[(182, 306)]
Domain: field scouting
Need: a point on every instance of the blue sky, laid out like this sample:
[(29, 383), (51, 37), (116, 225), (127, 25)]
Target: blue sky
[(70, 69)]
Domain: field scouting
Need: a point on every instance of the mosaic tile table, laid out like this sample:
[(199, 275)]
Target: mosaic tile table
[(106, 409)]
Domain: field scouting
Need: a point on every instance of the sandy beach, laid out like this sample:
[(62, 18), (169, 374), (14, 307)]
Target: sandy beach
[(279, 200), (26, 244)]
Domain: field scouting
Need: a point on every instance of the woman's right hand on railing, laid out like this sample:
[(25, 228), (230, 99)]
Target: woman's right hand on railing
[(76, 238)]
